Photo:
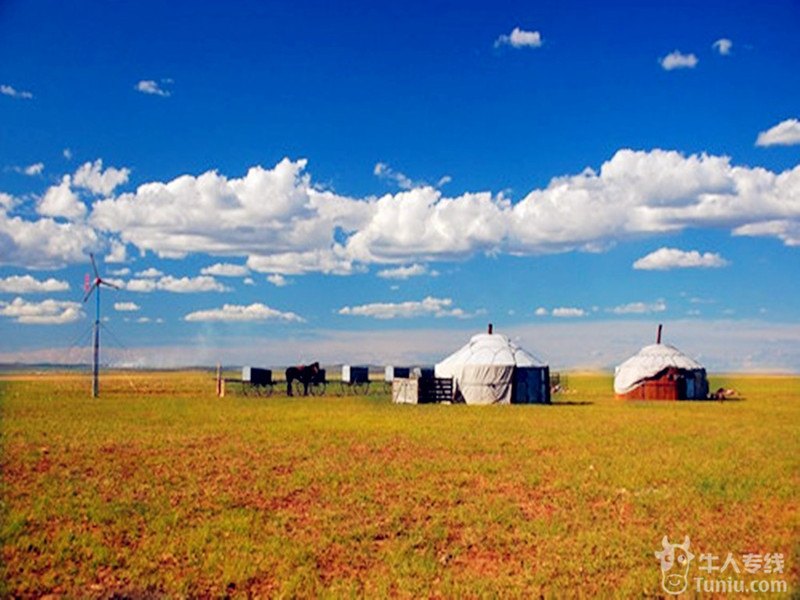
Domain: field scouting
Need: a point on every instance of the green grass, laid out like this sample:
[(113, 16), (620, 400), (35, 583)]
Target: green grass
[(160, 488)]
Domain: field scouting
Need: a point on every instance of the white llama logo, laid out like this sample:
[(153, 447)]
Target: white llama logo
[(675, 556)]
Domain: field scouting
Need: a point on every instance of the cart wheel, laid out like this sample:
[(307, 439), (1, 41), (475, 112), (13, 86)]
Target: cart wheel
[(244, 389), (298, 388), (361, 388), (316, 389), (268, 389)]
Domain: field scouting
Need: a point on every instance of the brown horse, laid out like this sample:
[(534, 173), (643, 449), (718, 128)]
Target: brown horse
[(305, 374)]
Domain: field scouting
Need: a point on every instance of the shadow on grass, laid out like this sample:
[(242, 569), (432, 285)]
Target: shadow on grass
[(572, 403)]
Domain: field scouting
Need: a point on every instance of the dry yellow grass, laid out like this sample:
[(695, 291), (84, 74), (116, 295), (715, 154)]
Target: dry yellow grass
[(158, 488)]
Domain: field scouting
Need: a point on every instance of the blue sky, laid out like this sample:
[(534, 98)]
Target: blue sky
[(271, 183)]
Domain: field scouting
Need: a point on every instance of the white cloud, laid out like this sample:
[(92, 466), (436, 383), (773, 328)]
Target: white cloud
[(541, 312), (520, 39), (144, 286), (150, 86), (281, 223), (236, 312), (277, 280), (414, 270), (421, 224), (787, 231), (92, 177), (664, 259), (723, 46), (60, 201), (437, 307), (568, 312), (67, 153), (677, 60), (189, 285), (226, 270), (124, 271), (126, 306), (150, 273), (785, 133), (26, 284), (47, 312), (384, 171), (248, 281), (34, 169), (7, 90), (7, 202), (275, 217), (639, 308), (117, 253), (43, 244)]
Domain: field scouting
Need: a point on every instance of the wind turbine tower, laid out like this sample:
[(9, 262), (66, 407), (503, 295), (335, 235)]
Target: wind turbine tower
[(89, 287)]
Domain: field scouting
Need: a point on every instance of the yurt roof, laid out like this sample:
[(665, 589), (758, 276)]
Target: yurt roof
[(489, 349), (648, 362)]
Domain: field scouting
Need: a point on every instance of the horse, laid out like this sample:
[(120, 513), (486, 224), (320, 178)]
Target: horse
[(303, 373)]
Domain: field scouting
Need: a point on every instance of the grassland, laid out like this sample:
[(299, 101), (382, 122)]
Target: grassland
[(159, 488)]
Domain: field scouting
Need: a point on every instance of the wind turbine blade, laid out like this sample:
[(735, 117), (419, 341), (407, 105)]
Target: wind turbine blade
[(94, 266), (89, 293), (106, 283)]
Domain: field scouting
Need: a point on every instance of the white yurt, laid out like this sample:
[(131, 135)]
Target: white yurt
[(660, 372), (491, 369)]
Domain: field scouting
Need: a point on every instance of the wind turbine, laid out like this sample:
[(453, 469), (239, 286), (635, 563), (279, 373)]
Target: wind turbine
[(90, 286)]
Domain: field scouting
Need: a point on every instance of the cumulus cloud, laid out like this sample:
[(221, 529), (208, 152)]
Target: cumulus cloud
[(150, 273), (422, 224), (639, 308), (414, 270), (677, 60), (277, 280), (31, 170), (437, 307), (126, 306), (150, 86), (8, 90), (47, 312), (384, 171), (273, 216), (785, 133), (723, 46), (664, 259), (26, 284), (520, 38), (92, 177), (7, 202), (177, 285), (60, 201), (281, 223), (226, 270), (541, 312), (787, 231), (44, 243), (237, 312), (568, 312)]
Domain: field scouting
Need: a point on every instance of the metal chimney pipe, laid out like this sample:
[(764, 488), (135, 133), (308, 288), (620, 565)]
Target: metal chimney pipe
[(490, 329), (658, 337)]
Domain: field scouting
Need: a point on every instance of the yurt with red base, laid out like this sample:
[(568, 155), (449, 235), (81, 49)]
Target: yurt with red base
[(660, 372)]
